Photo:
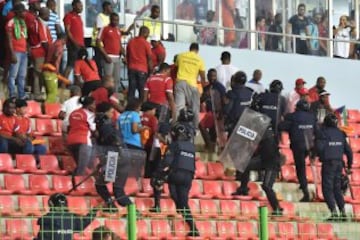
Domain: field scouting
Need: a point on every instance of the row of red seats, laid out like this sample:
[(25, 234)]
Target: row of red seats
[(46, 127), (176, 229), (26, 163), (51, 110)]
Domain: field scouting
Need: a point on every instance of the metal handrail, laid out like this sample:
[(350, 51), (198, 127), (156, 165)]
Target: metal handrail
[(288, 36)]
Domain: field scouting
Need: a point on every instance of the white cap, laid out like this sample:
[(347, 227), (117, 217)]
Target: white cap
[(155, 38)]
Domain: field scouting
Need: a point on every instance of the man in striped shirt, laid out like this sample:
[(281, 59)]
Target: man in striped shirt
[(54, 20)]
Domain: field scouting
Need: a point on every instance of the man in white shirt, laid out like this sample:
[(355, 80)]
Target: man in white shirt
[(225, 70), (255, 84), (69, 106)]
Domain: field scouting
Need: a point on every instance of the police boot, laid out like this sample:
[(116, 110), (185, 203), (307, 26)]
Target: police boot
[(277, 212), (121, 198), (156, 207), (306, 197), (334, 217), (241, 192), (343, 216)]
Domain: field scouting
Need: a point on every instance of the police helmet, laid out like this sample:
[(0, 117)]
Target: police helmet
[(57, 200), (331, 120), (181, 132), (276, 86), (186, 115), (303, 105)]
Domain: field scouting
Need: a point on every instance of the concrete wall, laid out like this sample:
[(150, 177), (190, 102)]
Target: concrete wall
[(341, 75)]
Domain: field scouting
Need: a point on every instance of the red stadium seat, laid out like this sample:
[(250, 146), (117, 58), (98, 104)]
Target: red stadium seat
[(143, 230), (309, 174), (229, 208), (214, 189), (46, 127), (34, 110), (7, 207), (288, 155), (229, 187), (160, 229), (325, 231), (273, 231), (195, 207), (285, 140), (196, 190), (144, 205), (225, 230), (146, 190), (255, 191), (353, 115), (68, 163), (6, 164), (205, 229), (181, 228), (131, 186), (356, 128), (355, 144), (61, 184), (307, 231), (16, 184), (249, 209), (287, 230), (168, 207), (35, 227), (57, 146), (29, 206), (247, 230), (50, 164), (17, 229), (217, 169), (200, 170), (78, 205), (288, 173), (27, 163), (356, 160), (52, 109), (116, 226), (39, 184), (86, 188), (355, 177), (208, 208), (289, 210)]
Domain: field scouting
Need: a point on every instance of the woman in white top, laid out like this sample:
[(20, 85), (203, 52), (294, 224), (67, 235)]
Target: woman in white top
[(343, 32)]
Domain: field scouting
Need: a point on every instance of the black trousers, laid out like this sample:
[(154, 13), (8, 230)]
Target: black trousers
[(137, 82), (331, 184), (299, 157), (179, 186), (88, 87)]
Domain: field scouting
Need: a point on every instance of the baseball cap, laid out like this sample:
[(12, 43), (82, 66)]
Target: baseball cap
[(155, 38), (299, 81), (303, 91), (323, 93)]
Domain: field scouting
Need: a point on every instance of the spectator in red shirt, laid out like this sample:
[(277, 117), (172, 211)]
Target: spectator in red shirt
[(75, 34), (138, 54), (17, 34), (158, 52), (81, 127), (24, 128), (38, 50), (109, 44), (9, 141), (315, 90), (105, 93), (159, 89), (86, 70)]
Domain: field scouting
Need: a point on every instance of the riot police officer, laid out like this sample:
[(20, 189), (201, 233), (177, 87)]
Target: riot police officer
[(331, 146), (236, 100), (59, 223), (110, 140), (301, 126), (180, 159), (267, 156)]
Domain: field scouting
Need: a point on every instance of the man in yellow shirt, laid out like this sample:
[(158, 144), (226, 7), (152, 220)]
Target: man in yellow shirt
[(190, 66)]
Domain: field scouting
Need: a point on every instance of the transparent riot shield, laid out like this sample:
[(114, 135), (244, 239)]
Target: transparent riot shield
[(221, 134), (244, 140)]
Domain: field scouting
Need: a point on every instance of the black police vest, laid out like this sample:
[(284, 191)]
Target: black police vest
[(334, 144), (271, 106), (241, 98), (303, 126), (184, 156)]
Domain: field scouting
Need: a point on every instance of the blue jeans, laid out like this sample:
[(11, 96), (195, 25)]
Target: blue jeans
[(17, 73), (9, 146)]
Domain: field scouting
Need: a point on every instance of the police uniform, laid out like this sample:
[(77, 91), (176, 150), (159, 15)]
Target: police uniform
[(181, 159), (239, 98), (301, 126), (110, 140), (331, 146)]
